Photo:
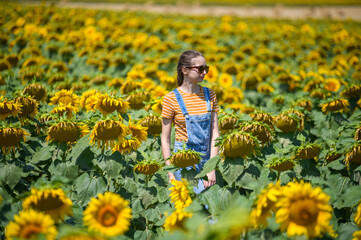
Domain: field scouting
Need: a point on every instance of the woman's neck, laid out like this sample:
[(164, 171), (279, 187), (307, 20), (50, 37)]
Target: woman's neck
[(188, 87)]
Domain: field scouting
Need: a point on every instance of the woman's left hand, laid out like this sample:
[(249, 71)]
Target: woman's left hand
[(211, 179)]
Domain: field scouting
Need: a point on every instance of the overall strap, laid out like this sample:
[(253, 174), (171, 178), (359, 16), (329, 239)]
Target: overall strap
[(208, 99), (181, 103)]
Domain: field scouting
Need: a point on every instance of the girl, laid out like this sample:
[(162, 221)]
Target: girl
[(193, 109)]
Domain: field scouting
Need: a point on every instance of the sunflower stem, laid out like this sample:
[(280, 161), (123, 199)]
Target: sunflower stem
[(278, 175), (146, 180), (12, 154)]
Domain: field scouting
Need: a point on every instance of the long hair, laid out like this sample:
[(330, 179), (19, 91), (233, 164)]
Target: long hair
[(185, 60)]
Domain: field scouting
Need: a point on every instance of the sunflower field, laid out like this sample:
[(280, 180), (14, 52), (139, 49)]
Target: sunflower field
[(80, 102)]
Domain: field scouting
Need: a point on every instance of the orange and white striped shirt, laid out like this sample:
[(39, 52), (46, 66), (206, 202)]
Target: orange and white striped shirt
[(196, 105)]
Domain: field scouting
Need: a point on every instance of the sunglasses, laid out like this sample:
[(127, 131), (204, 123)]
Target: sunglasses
[(201, 68)]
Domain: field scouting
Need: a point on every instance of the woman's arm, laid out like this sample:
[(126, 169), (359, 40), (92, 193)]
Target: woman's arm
[(214, 149), (165, 140)]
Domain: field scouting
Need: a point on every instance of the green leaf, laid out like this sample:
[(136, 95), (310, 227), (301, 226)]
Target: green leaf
[(217, 199), (88, 187), (152, 214), (137, 208), (351, 196), (247, 181), (43, 155), (346, 230), (111, 167), (144, 235), (163, 194), (336, 165), (10, 175), (209, 166), (82, 154), (231, 169), (148, 196), (64, 170)]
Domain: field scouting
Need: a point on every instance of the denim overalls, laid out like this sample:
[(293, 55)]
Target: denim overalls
[(199, 134)]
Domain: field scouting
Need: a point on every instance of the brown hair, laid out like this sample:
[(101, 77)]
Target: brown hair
[(185, 60)]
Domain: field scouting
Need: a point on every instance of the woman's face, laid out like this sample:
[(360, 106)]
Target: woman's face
[(193, 74)]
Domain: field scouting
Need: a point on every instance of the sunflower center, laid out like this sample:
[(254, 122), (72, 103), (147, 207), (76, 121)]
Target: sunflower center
[(49, 203), (304, 212), (107, 215), (30, 231), (66, 100)]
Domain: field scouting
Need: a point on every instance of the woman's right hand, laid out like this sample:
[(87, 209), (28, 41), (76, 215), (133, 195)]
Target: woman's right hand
[(171, 176)]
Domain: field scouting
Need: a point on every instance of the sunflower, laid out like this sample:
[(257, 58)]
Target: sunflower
[(303, 210), (332, 84), (175, 221), (127, 145), (116, 82), (29, 225), (153, 123), (251, 81), (68, 109), (231, 95), (138, 131), (147, 167), (66, 131), (225, 80), (29, 106), (65, 97), (228, 122), (281, 164), (157, 106), (185, 158), (265, 203), (286, 123), (91, 101), (106, 104), (10, 138), (84, 97), (357, 216), (82, 236), (332, 155), (265, 89), (36, 91), (351, 91), (9, 108), (106, 132), (181, 194), (137, 98), (261, 116), (307, 151), (304, 103), (53, 202), (260, 130), (356, 235), (353, 155), (212, 75), (279, 100), (336, 105), (129, 86), (1, 199), (109, 214), (238, 144)]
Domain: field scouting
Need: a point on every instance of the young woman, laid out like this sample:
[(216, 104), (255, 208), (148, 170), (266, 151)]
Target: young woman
[(193, 109)]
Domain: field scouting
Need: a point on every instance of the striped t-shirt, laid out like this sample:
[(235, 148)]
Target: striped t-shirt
[(196, 105)]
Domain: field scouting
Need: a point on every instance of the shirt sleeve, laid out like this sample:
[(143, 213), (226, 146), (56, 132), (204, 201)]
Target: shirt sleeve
[(214, 101), (167, 107)]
